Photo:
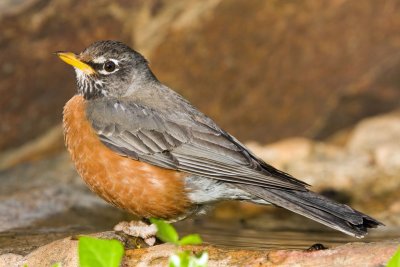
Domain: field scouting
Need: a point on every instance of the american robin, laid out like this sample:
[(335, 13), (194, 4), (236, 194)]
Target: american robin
[(147, 150)]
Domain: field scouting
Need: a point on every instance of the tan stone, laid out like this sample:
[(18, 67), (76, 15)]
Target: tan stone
[(284, 151), (376, 132)]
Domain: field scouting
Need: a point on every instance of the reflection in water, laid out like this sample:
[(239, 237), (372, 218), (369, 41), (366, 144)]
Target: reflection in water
[(231, 234), (241, 236)]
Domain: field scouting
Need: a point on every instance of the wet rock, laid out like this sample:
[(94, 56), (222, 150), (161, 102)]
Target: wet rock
[(65, 251), (36, 191), (46, 200), (352, 254)]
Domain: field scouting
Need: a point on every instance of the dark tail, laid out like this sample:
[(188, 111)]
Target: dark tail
[(318, 208)]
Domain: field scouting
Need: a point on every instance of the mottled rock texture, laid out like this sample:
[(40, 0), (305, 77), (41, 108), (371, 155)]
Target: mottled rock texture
[(64, 251)]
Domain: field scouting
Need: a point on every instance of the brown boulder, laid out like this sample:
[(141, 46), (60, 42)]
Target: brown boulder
[(265, 70)]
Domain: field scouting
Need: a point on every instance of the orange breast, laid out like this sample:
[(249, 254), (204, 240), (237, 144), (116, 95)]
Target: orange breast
[(139, 188)]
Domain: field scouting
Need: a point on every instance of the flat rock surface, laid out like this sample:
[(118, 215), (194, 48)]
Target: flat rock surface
[(352, 254), (64, 251)]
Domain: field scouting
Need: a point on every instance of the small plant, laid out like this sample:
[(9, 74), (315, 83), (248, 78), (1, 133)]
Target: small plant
[(167, 233), (94, 252), (395, 260)]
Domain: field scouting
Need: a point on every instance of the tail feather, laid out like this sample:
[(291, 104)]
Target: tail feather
[(316, 207)]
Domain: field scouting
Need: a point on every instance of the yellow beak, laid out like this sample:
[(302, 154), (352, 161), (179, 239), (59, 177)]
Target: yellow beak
[(72, 59)]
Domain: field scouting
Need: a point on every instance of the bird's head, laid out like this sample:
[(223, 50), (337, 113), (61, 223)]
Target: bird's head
[(108, 68)]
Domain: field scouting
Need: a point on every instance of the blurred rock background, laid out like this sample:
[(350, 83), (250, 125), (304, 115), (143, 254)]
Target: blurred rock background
[(264, 70), (304, 76)]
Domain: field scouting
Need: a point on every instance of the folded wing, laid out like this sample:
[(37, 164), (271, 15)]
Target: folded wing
[(190, 143)]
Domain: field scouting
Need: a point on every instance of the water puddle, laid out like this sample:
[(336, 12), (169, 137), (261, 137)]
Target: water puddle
[(263, 232), (226, 235)]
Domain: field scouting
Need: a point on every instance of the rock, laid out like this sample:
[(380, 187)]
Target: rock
[(34, 85), (305, 74), (46, 200), (10, 7), (36, 191), (387, 157), (64, 251), (283, 152), (11, 260), (34, 102), (320, 164), (352, 254), (374, 133), (44, 146), (294, 69), (365, 166)]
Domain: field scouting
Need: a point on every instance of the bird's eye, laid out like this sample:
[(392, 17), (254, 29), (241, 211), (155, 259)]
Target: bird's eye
[(109, 66)]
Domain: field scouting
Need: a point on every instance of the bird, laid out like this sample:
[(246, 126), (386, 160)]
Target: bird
[(147, 150)]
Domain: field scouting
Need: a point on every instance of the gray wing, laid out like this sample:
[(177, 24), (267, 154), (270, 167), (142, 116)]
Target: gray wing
[(188, 142)]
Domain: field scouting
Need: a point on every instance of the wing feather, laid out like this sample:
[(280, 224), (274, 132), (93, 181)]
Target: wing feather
[(190, 143)]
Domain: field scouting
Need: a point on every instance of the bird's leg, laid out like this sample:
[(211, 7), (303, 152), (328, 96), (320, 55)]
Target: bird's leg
[(138, 229)]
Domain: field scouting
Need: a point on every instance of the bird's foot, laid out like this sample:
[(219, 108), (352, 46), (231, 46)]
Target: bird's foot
[(138, 229)]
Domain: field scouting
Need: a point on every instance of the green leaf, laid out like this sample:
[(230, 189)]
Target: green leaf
[(94, 252), (395, 260), (185, 258), (165, 231), (56, 265), (193, 239)]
